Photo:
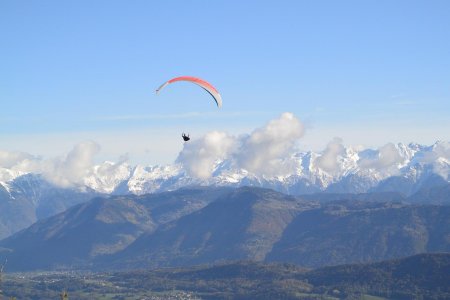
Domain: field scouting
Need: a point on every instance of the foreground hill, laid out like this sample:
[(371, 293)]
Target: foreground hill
[(211, 225), (424, 276)]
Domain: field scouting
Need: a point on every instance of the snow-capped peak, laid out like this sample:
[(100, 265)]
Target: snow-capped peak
[(338, 168)]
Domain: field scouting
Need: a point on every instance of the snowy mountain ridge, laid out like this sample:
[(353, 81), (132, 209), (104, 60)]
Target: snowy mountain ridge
[(336, 169)]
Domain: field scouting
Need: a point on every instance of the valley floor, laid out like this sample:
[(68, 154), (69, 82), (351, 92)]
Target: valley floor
[(422, 276)]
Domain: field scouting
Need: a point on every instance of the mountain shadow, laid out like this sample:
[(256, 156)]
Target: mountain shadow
[(75, 236), (341, 232)]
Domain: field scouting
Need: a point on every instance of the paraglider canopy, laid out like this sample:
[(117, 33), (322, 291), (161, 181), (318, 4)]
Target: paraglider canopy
[(204, 84)]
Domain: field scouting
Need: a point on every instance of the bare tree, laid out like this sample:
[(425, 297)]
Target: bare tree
[(1, 278), (64, 295)]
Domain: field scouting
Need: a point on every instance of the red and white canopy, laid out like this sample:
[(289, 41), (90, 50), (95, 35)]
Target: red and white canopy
[(204, 84)]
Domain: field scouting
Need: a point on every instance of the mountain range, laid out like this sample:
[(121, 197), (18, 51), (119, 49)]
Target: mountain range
[(212, 225), (406, 169), (341, 201), (400, 168)]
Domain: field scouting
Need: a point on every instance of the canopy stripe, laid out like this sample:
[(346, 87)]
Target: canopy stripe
[(204, 84)]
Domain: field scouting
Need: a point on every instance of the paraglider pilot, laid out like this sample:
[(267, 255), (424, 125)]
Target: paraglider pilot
[(185, 137)]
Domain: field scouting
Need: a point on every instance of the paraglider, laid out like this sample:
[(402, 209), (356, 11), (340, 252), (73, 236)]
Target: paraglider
[(202, 83), (185, 137)]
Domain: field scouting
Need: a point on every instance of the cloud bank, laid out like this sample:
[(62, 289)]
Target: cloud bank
[(72, 169), (385, 158), (441, 151), (12, 158), (68, 171), (199, 156), (263, 152), (266, 151), (269, 151), (328, 161)]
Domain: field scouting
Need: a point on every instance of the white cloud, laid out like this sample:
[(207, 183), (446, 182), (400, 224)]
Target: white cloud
[(12, 158), (68, 171), (265, 151), (72, 169), (199, 156), (385, 158), (109, 169), (440, 151), (328, 161)]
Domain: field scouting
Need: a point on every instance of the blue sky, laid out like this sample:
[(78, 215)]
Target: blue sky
[(370, 72)]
